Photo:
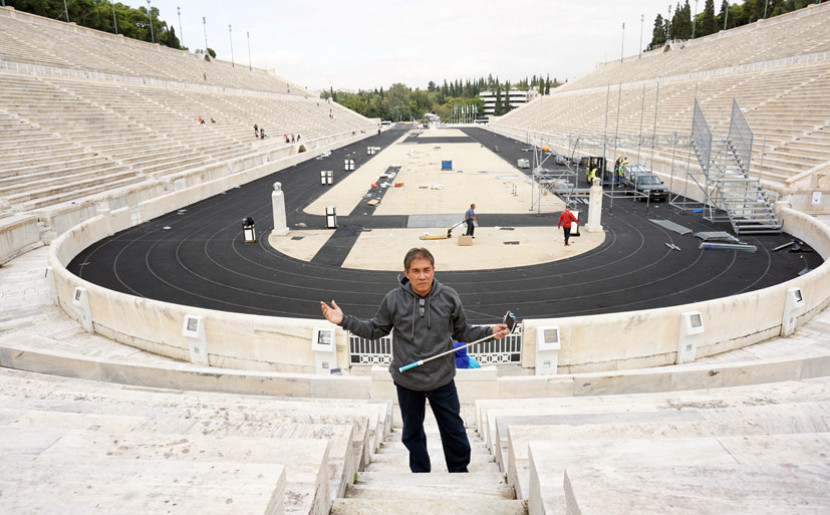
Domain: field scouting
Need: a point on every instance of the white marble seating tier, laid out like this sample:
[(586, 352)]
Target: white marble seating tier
[(50, 197), (763, 488), (784, 36), (100, 137), (38, 484), (787, 414), (790, 418), (69, 46), (782, 103), (102, 423)]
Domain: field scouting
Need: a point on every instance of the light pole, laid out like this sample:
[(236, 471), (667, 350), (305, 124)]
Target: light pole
[(181, 34), (230, 35), (150, 15), (642, 18), (622, 44), (693, 21), (114, 21), (248, 33), (66, 10), (766, 4), (204, 24), (726, 16)]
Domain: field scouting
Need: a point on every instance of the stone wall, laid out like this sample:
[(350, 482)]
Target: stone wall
[(616, 341)]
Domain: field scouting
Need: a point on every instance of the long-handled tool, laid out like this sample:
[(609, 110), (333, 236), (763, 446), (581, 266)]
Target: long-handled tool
[(509, 321), (442, 236)]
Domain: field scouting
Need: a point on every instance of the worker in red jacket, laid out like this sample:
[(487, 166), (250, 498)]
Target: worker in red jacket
[(565, 221)]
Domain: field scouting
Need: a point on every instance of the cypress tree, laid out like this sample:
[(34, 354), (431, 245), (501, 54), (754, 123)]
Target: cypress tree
[(708, 24)]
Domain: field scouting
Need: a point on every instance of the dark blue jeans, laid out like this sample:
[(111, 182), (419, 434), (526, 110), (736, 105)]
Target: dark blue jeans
[(447, 410)]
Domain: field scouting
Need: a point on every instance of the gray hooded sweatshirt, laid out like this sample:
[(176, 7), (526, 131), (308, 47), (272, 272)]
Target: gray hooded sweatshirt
[(423, 327)]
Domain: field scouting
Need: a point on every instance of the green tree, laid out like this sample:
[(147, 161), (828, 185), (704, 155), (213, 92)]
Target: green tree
[(98, 14), (708, 23), (730, 16), (681, 23), (398, 102), (658, 33), (506, 107), (723, 16), (421, 103)]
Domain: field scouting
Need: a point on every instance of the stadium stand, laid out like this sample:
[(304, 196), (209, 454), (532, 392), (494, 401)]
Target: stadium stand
[(97, 121), (90, 423), (775, 69), (88, 53), (67, 395), (245, 453)]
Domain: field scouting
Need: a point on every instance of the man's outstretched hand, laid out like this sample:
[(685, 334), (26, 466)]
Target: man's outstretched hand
[(332, 313), (500, 331)]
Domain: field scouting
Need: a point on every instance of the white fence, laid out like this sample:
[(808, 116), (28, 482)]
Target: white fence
[(507, 350)]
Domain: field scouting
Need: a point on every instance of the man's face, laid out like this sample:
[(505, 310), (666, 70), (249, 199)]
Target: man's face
[(420, 275)]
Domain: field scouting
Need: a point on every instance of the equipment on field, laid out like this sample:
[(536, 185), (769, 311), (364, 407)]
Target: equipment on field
[(441, 236)]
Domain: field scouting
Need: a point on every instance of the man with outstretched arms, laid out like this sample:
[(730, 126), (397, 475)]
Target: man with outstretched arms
[(426, 317)]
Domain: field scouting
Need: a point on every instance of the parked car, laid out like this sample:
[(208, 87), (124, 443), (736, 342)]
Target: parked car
[(640, 179)]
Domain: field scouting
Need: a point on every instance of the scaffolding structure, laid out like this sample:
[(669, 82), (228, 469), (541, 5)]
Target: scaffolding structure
[(720, 187), (730, 194), (553, 172)]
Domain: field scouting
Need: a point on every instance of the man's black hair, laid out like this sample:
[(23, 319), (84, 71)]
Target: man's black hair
[(417, 253)]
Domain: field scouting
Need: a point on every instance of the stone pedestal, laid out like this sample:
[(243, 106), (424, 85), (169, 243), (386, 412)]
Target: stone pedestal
[(278, 206), (595, 208)]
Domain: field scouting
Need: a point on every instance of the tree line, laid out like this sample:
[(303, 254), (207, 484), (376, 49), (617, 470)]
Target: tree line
[(680, 26), (105, 16), (400, 102)]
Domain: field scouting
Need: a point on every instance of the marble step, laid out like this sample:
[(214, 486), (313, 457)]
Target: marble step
[(750, 489), (771, 393), (443, 504), (549, 460), (751, 420), (305, 460), (405, 485), (398, 460), (762, 419), (65, 484)]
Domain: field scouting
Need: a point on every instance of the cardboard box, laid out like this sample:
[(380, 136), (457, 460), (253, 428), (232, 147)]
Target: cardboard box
[(465, 241)]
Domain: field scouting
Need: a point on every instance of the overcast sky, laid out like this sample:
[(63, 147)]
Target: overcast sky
[(367, 44)]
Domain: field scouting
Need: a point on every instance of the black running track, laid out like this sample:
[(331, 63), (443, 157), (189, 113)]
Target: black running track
[(197, 257)]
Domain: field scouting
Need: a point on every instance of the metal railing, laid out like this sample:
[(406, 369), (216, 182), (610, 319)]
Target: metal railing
[(508, 350), (740, 137), (701, 139)]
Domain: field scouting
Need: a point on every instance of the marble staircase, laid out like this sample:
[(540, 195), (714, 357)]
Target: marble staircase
[(386, 486)]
